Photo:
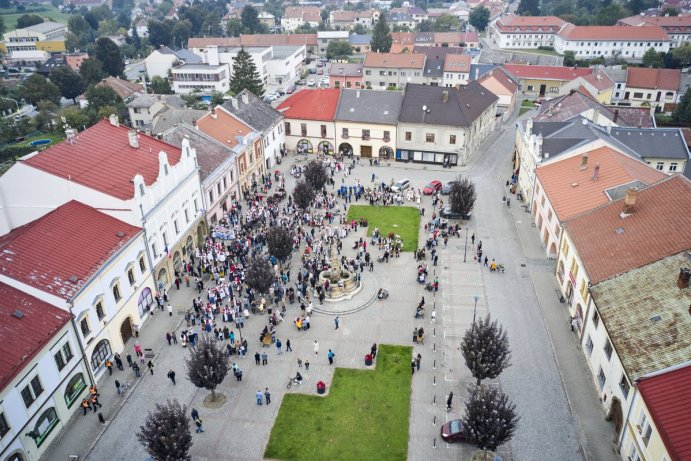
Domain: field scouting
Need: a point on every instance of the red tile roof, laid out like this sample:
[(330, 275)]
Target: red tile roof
[(101, 158), (673, 24), (600, 80), (395, 61), (457, 63), (571, 191), (530, 24), (223, 127), (653, 79), (522, 71), (609, 245), (23, 338), (571, 32), (668, 399), (320, 104), (72, 241)]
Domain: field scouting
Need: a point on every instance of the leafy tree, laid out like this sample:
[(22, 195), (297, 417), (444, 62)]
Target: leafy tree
[(669, 11), (425, 25), (260, 274), (610, 14), (359, 29), (485, 348), (91, 71), (160, 85), (195, 15), (46, 115), (381, 36), (91, 19), (305, 28), (462, 196), (490, 418), (250, 21), (27, 20), (207, 365), (182, 31), (280, 242), (75, 117), (479, 18), (316, 174), (528, 8), (682, 114), (160, 32), (636, 6), (212, 24), (445, 23), (166, 432), (338, 49), (245, 75), (303, 194), (68, 81), (652, 58), (110, 56), (37, 88), (682, 54), (233, 27), (102, 96), (569, 58)]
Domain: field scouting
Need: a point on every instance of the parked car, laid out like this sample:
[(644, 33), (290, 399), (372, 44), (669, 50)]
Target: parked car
[(301, 82), (401, 185), (290, 89), (432, 187), (452, 431), (313, 71), (320, 71), (448, 213), (446, 189), (311, 82)]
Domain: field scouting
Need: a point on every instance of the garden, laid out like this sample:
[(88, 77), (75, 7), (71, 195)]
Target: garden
[(399, 220)]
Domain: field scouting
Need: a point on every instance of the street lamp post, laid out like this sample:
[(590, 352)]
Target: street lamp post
[(474, 312), (465, 249)]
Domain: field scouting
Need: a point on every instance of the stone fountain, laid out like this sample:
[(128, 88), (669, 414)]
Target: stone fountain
[(342, 283)]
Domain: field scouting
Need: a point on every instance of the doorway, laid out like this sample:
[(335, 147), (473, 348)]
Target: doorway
[(126, 330), (543, 89), (366, 151)]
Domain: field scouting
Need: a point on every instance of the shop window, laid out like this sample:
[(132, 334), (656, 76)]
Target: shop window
[(44, 426), (100, 354), (74, 388)]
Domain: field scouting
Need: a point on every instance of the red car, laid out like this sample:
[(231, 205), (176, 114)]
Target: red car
[(452, 431), (432, 187)]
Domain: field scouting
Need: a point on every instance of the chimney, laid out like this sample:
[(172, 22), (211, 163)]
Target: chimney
[(596, 171), (234, 103), (134, 139), (114, 120), (245, 98), (445, 96), (629, 202), (584, 161), (616, 116), (213, 112), (684, 276)]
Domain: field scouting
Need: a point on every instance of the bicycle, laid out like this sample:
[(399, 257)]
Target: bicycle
[(123, 388), (292, 381)]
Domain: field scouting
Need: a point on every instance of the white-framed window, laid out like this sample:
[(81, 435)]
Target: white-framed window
[(624, 385), (32, 391), (601, 378), (660, 166), (4, 427), (84, 326), (100, 311), (130, 275), (63, 356), (673, 166), (589, 345), (608, 348), (115, 288)]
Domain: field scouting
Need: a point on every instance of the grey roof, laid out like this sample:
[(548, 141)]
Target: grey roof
[(361, 39), (653, 143), (339, 69), (148, 100), (617, 75), (189, 57), (169, 118), (370, 106), (463, 106), (210, 153), (200, 66), (478, 70), (434, 65), (284, 51), (256, 113), (45, 27)]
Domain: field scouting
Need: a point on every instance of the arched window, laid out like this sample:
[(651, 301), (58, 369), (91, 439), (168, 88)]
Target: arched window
[(44, 425), (74, 388), (145, 302), (100, 354)]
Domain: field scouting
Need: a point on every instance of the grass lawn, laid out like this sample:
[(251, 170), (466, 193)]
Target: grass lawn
[(406, 220), (55, 137), (50, 12), (364, 417)]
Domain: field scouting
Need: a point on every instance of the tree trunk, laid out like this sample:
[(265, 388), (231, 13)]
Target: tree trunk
[(213, 395), (479, 381)]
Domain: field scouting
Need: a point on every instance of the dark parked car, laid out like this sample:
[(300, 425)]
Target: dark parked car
[(446, 189), (452, 431), (450, 214)]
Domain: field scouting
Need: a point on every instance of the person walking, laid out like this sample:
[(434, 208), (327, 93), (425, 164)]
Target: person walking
[(267, 396), (288, 348), (136, 370), (337, 320), (412, 366), (169, 339), (418, 359), (150, 367), (95, 402), (307, 365), (170, 310), (278, 346), (257, 357), (195, 414), (265, 358), (316, 347), (171, 376), (373, 350), (118, 362), (299, 362), (198, 423), (85, 406), (117, 386), (448, 401), (129, 360), (109, 366), (260, 397), (330, 355)]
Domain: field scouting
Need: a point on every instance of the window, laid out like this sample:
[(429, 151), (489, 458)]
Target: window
[(225, 183), (596, 319), (531, 88), (74, 387), (116, 292), (452, 139), (574, 268), (345, 133), (165, 169), (4, 427), (196, 207), (141, 189), (44, 425), (130, 276), (660, 166), (287, 126), (99, 310), (624, 386), (211, 196), (638, 95), (175, 221), (31, 391), (101, 353), (323, 131), (589, 346), (303, 129), (429, 137), (673, 166), (608, 349), (387, 136), (84, 326), (368, 72), (365, 134), (142, 264), (408, 136), (63, 356), (601, 379)]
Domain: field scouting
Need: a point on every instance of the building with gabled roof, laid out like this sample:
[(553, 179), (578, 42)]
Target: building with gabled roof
[(525, 31), (390, 70), (501, 84), (42, 373), (128, 175), (345, 75), (456, 69), (544, 81), (677, 27), (309, 120), (588, 42), (653, 87), (295, 16)]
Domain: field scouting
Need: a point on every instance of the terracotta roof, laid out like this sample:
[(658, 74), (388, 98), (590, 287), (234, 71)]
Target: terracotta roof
[(609, 245), (643, 77), (123, 88), (572, 191), (101, 158), (60, 251), (223, 127), (546, 72), (502, 78), (75, 60), (672, 24), (23, 338), (398, 48), (391, 60), (457, 63), (455, 37), (347, 16), (599, 80), (510, 24), (571, 32), (403, 38), (671, 416), (202, 42), (319, 104)]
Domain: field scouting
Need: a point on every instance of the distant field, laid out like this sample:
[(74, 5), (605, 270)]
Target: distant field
[(10, 16)]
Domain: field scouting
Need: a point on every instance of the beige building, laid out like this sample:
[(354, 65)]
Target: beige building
[(386, 70), (309, 120)]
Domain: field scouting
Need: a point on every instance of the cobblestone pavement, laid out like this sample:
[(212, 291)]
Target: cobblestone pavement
[(552, 425)]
